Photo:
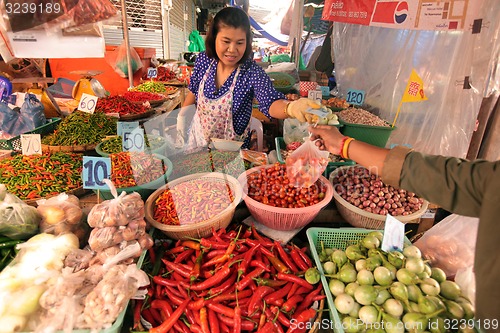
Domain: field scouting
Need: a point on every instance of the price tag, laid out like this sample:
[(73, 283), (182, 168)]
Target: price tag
[(315, 95), (31, 144), (152, 73), (125, 126), (321, 112), (133, 140), (394, 234), (356, 97), (87, 103), (325, 90), (95, 170)]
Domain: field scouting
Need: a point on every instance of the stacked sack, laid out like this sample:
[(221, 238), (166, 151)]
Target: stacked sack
[(117, 223)]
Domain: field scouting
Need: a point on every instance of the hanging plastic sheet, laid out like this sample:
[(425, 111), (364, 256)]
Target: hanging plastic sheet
[(458, 69)]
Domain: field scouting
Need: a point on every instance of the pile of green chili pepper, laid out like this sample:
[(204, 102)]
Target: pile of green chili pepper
[(135, 168), (150, 86), (81, 128), (228, 162), (115, 145), (8, 250), (39, 176)]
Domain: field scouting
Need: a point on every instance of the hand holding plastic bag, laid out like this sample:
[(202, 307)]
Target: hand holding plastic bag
[(306, 164)]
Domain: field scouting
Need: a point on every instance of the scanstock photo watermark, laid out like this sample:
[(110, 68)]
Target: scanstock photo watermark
[(327, 324)]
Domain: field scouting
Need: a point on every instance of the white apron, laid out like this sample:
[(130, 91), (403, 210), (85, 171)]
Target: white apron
[(213, 117)]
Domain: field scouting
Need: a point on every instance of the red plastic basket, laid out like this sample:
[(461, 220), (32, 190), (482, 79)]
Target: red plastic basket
[(279, 218)]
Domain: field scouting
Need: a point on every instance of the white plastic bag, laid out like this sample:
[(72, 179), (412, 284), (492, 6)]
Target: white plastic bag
[(451, 243), (466, 279)]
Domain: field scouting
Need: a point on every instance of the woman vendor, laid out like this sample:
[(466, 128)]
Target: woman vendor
[(225, 81)]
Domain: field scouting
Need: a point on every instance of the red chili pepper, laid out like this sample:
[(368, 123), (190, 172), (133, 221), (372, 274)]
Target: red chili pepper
[(281, 317), (146, 314), (196, 305), (169, 323), (291, 303), (137, 313), (261, 239), (184, 256), (237, 319), (232, 296), (176, 299), (213, 280), (191, 244), (246, 260), (267, 328), (152, 254), (204, 320), (294, 253), (246, 325), (224, 285), (213, 321), (304, 256), (258, 296), (309, 299), (270, 283), (165, 311), (223, 327), (176, 249), (247, 233), (195, 272), (249, 278), (277, 325), (159, 280), (256, 263), (285, 257), (280, 267), (294, 279), (278, 294), (177, 268), (215, 253), (222, 309), (195, 328), (303, 317)]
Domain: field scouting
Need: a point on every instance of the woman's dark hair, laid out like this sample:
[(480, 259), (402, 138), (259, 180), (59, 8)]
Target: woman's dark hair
[(231, 17)]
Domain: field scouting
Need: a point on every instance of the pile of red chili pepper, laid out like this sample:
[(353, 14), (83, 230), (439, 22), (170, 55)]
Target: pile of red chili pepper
[(39, 176), (135, 168), (120, 105), (192, 201), (231, 282), (142, 96)]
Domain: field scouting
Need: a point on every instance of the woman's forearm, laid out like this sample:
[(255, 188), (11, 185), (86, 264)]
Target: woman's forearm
[(277, 109)]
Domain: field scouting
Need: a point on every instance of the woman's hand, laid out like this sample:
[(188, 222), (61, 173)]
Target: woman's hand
[(298, 110), (328, 138)]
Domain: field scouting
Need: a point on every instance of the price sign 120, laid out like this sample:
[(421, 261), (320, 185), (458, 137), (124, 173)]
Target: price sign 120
[(133, 140), (31, 144), (95, 170), (356, 97), (87, 103)]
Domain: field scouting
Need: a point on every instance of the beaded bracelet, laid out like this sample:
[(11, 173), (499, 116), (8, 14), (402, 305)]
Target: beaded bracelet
[(345, 148)]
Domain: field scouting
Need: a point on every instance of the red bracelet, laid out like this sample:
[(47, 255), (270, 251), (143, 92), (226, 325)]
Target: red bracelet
[(342, 145)]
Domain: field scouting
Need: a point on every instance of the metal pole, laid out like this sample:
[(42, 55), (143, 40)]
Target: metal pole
[(127, 43)]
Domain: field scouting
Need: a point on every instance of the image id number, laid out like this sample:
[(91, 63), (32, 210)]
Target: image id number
[(32, 7), (484, 324)]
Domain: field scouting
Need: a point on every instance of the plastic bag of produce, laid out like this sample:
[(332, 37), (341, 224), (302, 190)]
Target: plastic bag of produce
[(18, 220), (306, 164), (451, 243), (294, 130), (118, 211), (102, 238), (120, 64), (32, 112), (62, 214)]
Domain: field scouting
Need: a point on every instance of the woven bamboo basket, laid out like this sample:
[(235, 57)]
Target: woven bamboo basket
[(200, 228), (362, 219)]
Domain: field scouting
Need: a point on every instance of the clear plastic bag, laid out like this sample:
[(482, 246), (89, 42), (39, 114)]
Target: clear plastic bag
[(120, 64), (18, 220), (466, 279), (102, 238), (117, 212), (294, 130), (451, 243), (306, 164), (62, 214)]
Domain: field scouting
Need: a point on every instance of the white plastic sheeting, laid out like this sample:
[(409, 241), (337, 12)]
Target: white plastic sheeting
[(379, 61)]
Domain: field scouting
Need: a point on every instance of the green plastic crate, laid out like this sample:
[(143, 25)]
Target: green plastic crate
[(333, 238), (281, 145), (15, 142), (374, 135)]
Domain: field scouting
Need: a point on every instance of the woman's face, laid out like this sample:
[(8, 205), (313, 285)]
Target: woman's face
[(230, 45)]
